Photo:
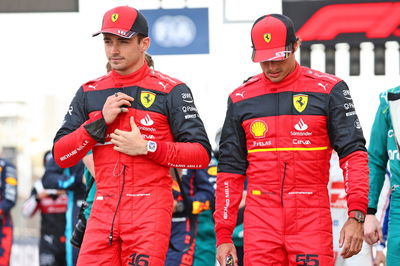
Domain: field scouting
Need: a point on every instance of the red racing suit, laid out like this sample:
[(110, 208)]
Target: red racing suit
[(281, 135), (131, 215)]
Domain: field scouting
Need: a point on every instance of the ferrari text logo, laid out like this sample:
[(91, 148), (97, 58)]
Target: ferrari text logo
[(267, 37), (300, 102), (114, 17), (147, 98)]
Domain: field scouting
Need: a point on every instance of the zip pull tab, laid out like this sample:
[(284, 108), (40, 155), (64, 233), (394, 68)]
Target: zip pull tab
[(115, 169), (110, 238)]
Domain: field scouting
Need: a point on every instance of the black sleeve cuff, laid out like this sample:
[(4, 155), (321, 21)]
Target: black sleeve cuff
[(97, 130), (371, 211)]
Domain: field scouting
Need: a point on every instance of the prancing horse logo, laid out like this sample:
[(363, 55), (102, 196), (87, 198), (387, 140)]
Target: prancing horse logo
[(114, 17), (267, 37), (147, 98), (300, 102)]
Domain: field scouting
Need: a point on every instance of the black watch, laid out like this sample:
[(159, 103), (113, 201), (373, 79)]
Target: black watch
[(180, 206), (359, 216)]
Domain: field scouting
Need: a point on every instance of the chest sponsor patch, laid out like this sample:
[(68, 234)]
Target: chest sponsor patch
[(300, 102), (212, 171), (258, 128), (147, 98)]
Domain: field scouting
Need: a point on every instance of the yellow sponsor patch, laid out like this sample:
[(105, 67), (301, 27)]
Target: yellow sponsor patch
[(258, 128), (11, 181), (175, 186), (212, 171), (256, 192), (300, 102), (198, 206), (147, 98)]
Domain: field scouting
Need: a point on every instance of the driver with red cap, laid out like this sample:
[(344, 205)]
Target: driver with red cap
[(280, 129), (139, 123)]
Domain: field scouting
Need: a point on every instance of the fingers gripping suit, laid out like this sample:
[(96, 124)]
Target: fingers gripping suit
[(131, 215), (281, 135), (8, 198)]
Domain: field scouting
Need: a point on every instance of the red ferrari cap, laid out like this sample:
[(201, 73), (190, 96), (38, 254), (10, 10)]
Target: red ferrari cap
[(124, 21), (272, 36)]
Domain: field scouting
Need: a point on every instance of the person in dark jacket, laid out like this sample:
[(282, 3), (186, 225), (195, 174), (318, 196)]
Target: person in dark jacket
[(8, 199), (52, 204)]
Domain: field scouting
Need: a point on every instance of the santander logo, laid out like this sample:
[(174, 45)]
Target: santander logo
[(146, 121), (301, 126)]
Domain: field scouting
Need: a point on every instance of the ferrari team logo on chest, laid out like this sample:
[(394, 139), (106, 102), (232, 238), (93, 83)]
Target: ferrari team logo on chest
[(147, 98), (300, 102)]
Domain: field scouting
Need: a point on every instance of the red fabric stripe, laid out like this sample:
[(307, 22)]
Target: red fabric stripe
[(356, 180), (180, 155)]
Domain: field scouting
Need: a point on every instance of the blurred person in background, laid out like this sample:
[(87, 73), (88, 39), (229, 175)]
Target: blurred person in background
[(279, 132), (205, 251), (8, 199), (197, 196), (139, 123), (71, 180), (52, 204), (382, 153)]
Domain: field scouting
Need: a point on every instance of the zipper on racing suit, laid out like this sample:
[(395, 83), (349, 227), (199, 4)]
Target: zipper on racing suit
[(283, 182), (284, 163), (110, 236)]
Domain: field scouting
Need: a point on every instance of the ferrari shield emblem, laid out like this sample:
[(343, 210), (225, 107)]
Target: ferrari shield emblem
[(267, 37), (300, 102), (147, 98), (114, 17)]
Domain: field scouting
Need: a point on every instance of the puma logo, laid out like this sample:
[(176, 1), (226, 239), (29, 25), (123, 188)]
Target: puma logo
[(322, 85), (163, 85), (240, 94)]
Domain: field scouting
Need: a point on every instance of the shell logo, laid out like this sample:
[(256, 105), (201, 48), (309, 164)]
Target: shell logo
[(258, 128)]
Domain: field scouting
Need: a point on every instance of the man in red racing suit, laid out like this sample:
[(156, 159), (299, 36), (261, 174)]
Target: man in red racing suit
[(279, 131), (139, 123)]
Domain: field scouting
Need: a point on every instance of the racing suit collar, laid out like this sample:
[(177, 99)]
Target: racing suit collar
[(289, 79), (134, 77)]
